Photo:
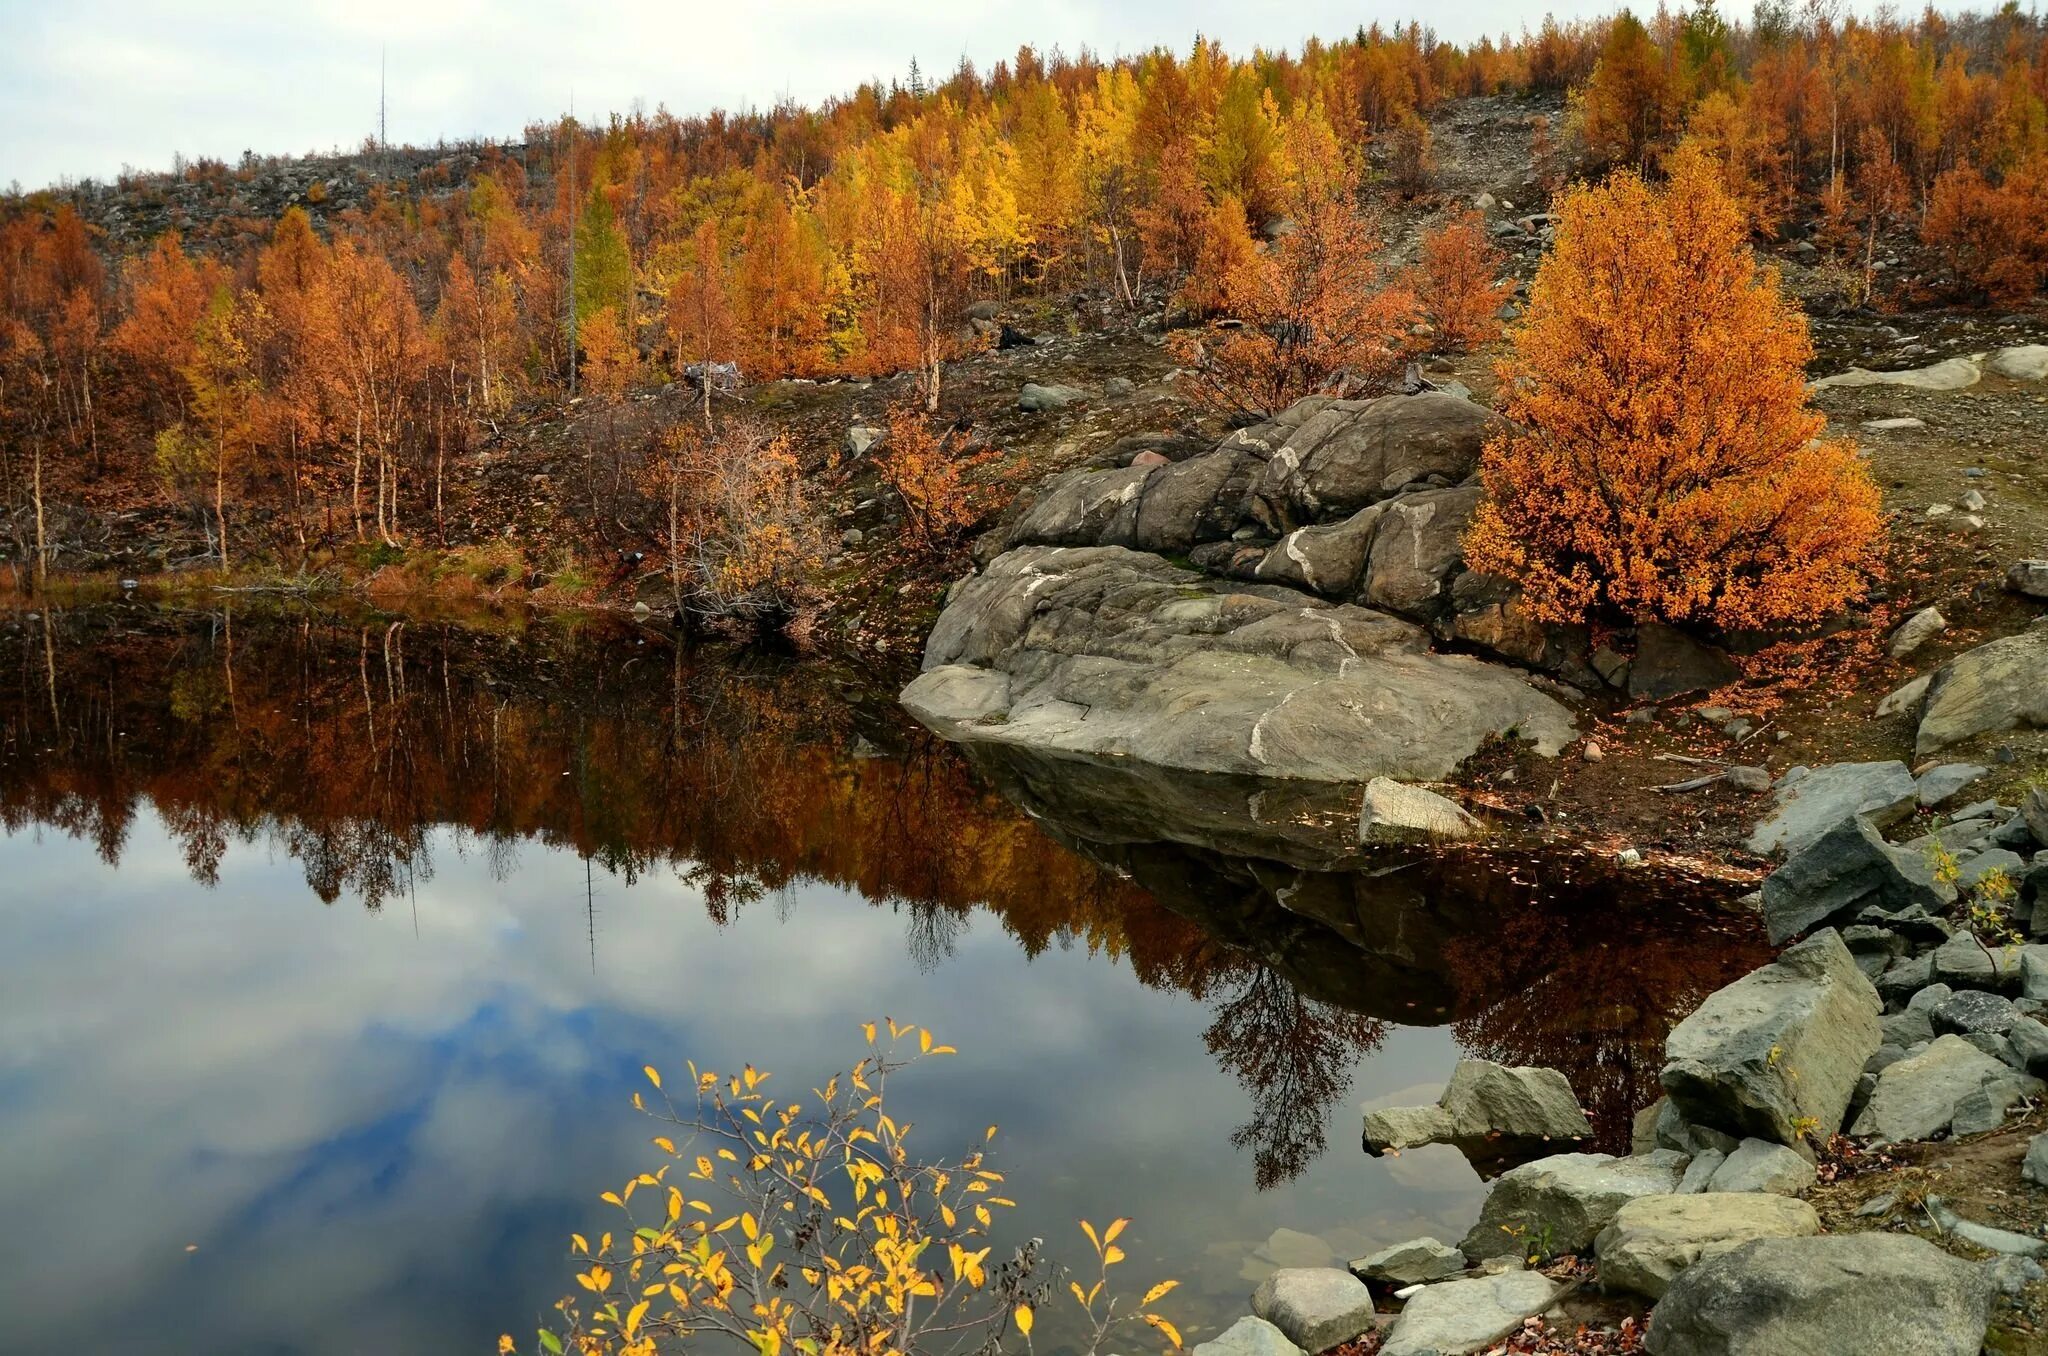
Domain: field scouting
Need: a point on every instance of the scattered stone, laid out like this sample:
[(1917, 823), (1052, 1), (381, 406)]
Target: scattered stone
[(1905, 700), (1754, 780), (2024, 362), (1248, 1336), (1812, 801), (852, 537), (1758, 1165), (2034, 811), (1973, 1010), (859, 439), (1315, 1308), (1972, 501), (1654, 1238), (1917, 1097), (1986, 1109), (1943, 781), (1833, 1295), (1672, 1130), (1954, 374), (1916, 631), (1564, 1201), (1915, 1025), (1394, 812), (1456, 1317), (2029, 579), (1034, 398), (1983, 1235), (1119, 387), (1777, 1053), (1893, 425), (1592, 752), (2011, 1275), (2034, 1167), (1669, 662), (1611, 666), (1410, 1263), (1999, 686)]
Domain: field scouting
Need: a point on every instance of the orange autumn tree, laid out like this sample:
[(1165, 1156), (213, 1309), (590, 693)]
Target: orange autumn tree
[(1316, 313), (1459, 283), (1663, 463)]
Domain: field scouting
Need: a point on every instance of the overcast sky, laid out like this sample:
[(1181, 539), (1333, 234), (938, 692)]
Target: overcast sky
[(88, 86)]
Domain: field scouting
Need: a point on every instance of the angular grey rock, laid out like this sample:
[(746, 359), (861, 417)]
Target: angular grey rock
[(859, 439), (1346, 454), (1917, 1097), (1669, 662), (1654, 1238), (1563, 1201), (2029, 1037), (1250, 1336), (1978, 869), (1973, 1010), (1844, 870), (1906, 699), (1902, 980), (1995, 687), (1761, 1166), (1315, 1308), (1394, 812), (2034, 1167), (1778, 1052), (2034, 810), (2034, 969), (1816, 800), (1419, 545), (1916, 631), (1987, 1108), (1406, 1127), (1937, 784), (1966, 962), (1521, 1102), (1453, 1318), (1699, 1173), (1672, 1130), (1834, 1295), (1105, 652), (2011, 1275), (2029, 579), (1410, 1263)]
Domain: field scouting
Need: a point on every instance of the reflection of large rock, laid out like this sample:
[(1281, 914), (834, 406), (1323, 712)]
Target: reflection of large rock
[(1109, 652)]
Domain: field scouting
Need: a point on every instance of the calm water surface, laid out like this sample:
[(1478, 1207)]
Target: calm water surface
[(331, 949)]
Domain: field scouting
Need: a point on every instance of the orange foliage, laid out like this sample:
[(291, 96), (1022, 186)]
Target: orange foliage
[(930, 474), (1459, 283), (1666, 465)]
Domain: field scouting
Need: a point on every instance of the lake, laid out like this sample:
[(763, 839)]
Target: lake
[(331, 949)]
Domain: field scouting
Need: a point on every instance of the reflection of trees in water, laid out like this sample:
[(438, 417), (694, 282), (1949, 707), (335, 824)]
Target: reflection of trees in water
[(1294, 1056), (1605, 984)]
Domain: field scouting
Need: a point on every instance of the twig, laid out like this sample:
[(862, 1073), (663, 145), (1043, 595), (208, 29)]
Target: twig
[(1694, 785), (1691, 761)]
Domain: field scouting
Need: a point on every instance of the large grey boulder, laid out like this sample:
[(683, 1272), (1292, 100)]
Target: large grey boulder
[(1917, 1098), (1999, 686), (1916, 631), (1845, 870), (1653, 1238), (1559, 1204), (1939, 783), (1316, 1308), (1813, 801), (1776, 1054), (1453, 1318), (1407, 1127), (1250, 1336), (1835, 1295), (1035, 398), (1086, 508), (1419, 545), (1109, 653), (1410, 1263)]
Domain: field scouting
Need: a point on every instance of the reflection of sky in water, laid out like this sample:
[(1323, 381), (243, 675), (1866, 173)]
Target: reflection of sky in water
[(380, 1140)]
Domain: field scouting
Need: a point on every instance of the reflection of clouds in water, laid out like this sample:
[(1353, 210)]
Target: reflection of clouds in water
[(382, 1139)]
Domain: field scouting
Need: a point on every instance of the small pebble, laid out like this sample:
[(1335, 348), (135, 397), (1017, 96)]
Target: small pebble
[(1593, 752)]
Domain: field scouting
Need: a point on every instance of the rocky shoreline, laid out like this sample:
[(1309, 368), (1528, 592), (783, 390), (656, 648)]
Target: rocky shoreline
[(1288, 614)]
